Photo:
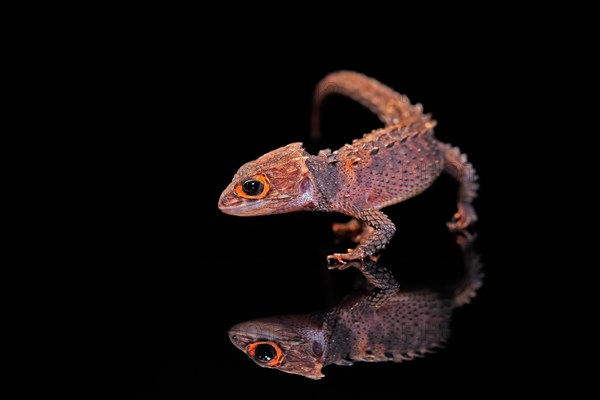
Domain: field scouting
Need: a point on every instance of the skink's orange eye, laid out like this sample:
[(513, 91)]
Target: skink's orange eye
[(256, 187), (266, 352)]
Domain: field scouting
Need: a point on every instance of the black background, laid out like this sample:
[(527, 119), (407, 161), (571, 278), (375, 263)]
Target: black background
[(125, 276)]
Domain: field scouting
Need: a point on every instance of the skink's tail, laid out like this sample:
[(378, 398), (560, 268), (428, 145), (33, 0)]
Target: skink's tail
[(390, 106)]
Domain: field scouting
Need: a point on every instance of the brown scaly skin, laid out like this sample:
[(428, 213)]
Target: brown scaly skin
[(377, 324), (382, 168)]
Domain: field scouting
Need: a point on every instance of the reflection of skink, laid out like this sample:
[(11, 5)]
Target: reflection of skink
[(380, 323), (384, 167)]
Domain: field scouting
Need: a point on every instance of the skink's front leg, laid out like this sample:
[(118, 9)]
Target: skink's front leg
[(372, 240)]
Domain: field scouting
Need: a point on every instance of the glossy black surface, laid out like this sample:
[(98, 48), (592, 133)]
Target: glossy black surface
[(124, 275)]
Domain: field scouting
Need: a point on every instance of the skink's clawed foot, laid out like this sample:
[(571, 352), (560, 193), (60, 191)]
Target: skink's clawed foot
[(335, 261), (342, 261), (464, 217)]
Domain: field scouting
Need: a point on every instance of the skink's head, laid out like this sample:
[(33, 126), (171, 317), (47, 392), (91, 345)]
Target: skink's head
[(291, 343), (277, 182)]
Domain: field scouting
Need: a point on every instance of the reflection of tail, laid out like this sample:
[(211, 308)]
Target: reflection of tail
[(390, 106), (473, 280)]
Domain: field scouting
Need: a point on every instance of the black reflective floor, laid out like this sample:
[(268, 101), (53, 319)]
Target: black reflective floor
[(125, 276)]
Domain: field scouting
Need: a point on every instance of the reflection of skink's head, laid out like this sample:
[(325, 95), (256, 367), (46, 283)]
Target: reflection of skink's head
[(293, 343)]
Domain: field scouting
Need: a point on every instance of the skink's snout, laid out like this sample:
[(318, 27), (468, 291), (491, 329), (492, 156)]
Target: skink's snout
[(227, 201), (224, 201), (230, 203)]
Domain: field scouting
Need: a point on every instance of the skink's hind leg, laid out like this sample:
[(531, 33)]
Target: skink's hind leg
[(374, 237), (456, 165)]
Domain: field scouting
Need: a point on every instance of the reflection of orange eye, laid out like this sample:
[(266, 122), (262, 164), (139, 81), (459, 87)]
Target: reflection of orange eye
[(268, 353), (256, 187)]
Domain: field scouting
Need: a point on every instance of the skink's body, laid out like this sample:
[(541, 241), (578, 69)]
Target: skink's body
[(382, 168)]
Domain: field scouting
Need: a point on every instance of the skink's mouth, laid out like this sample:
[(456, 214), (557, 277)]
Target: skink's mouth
[(241, 208), (240, 211)]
